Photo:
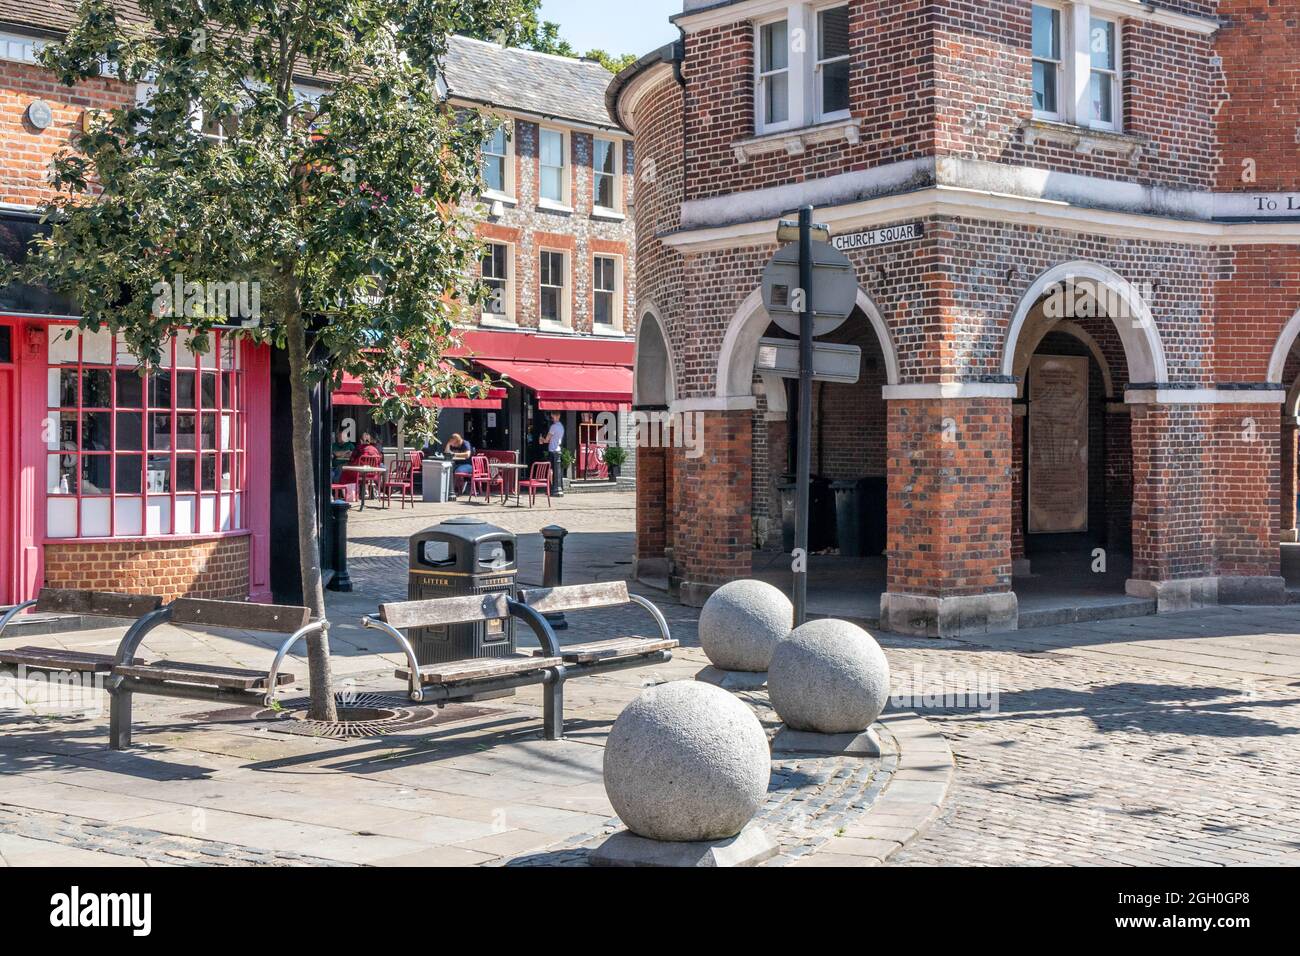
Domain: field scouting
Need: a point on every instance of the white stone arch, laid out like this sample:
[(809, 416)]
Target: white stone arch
[(1293, 399), (739, 349), (1277, 364), (1078, 332), (1141, 339), (654, 380)]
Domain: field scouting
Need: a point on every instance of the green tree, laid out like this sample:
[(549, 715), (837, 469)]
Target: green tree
[(531, 32), (345, 207)]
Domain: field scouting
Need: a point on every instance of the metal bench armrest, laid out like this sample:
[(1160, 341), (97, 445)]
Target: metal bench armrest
[(657, 614), (274, 673), (134, 635), (538, 624), (416, 690), (12, 613)]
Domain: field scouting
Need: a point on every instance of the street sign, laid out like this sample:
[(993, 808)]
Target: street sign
[(885, 236), (834, 292), (841, 364)]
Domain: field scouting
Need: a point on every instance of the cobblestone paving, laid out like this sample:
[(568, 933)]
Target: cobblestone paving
[(138, 843), (1097, 761)]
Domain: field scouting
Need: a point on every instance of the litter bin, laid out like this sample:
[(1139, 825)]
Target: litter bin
[(821, 507), (436, 479), (459, 557), (860, 533)]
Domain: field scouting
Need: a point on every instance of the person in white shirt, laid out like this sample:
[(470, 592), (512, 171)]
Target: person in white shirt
[(554, 442)]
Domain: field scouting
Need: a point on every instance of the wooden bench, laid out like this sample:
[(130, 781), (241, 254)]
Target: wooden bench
[(47, 660), (234, 685), (549, 666)]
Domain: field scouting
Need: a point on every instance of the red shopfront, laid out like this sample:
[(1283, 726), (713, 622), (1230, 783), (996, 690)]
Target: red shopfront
[(580, 377), (116, 481)]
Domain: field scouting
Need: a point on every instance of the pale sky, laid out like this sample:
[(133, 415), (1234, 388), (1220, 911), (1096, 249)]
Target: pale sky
[(615, 26)]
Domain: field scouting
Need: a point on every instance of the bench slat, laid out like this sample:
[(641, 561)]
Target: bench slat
[(453, 672), (439, 611), (202, 674), (96, 603), (576, 597), (58, 659), (240, 615), (618, 647)]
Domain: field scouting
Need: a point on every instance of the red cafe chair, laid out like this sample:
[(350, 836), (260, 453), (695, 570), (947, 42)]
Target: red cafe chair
[(481, 476), (538, 478)]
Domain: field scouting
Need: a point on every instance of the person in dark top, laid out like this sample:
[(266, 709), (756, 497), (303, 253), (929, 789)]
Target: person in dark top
[(459, 450)]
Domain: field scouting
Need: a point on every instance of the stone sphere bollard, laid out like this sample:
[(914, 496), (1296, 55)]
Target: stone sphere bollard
[(687, 761), (829, 677), (742, 622)]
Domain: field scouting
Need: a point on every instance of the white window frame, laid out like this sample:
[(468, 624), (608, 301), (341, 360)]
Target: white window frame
[(616, 194), (1116, 74), (507, 317), (565, 202), (794, 92), (818, 88), (565, 321), (507, 191), (1063, 52), (615, 327), (1074, 87)]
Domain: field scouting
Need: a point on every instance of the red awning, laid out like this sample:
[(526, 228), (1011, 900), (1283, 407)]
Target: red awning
[(532, 347), (351, 392), (561, 386)]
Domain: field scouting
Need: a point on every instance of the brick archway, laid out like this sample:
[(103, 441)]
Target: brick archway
[(1141, 339), (739, 352)]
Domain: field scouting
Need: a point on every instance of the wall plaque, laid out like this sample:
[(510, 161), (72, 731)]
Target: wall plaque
[(1058, 444)]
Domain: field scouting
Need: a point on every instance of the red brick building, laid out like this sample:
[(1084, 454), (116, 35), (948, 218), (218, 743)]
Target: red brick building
[(560, 255), (1076, 233), (109, 480)]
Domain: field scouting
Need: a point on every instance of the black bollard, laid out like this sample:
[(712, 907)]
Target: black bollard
[(553, 567), (341, 582)]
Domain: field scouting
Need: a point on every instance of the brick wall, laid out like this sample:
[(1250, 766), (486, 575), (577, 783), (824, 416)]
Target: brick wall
[(172, 568), (949, 497), (713, 536)]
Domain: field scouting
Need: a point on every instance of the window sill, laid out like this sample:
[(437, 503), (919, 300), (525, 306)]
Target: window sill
[(491, 196), (550, 205), (497, 322), (1083, 139), (546, 325), (601, 213), (795, 142), (608, 331)]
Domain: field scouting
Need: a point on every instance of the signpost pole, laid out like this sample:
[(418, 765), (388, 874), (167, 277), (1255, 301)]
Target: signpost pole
[(803, 479)]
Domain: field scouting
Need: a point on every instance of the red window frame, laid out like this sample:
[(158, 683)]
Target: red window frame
[(198, 397)]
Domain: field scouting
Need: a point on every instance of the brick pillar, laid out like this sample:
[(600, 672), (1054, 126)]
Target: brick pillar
[(1019, 561), (1205, 505), (713, 536), (1288, 478), (1119, 478), (950, 489), (778, 463), (652, 507)]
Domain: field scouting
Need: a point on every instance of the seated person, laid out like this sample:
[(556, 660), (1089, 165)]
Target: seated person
[(341, 453), (367, 447), (460, 451)]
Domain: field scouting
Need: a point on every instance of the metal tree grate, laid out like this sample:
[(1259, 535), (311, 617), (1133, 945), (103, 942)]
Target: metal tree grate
[(360, 715)]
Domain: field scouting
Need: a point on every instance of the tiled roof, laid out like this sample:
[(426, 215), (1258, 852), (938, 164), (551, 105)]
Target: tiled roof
[(537, 83), (55, 16)]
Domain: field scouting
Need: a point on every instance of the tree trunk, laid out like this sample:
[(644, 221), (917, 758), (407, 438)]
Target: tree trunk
[(313, 594)]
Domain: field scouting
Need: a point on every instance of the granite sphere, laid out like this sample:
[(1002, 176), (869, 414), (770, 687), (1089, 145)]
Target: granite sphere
[(829, 677), (742, 622), (687, 761)]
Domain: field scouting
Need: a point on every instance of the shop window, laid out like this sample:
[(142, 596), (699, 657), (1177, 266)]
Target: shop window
[(132, 455), (6, 345)]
